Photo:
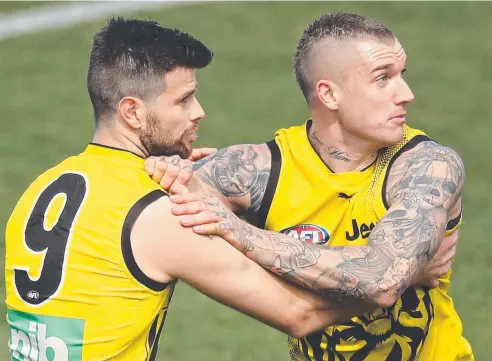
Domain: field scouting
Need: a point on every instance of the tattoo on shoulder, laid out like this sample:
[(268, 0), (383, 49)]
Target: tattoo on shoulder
[(430, 173), (238, 171), (424, 185)]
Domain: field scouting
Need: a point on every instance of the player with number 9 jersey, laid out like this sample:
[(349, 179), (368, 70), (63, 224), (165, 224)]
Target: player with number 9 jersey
[(74, 291)]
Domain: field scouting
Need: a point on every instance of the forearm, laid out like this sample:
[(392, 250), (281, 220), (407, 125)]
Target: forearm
[(398, 249), (337, 273)]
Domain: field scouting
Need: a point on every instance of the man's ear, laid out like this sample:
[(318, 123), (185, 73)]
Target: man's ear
[(327, 93), (133, 111)]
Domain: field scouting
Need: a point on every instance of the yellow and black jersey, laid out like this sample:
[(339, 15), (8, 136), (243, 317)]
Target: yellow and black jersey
[(306, 200), (74, 290)]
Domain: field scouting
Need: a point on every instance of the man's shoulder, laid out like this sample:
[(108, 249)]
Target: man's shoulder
[(46, 177), (237, 155), (428, 151), (435, 171), (104, 188)]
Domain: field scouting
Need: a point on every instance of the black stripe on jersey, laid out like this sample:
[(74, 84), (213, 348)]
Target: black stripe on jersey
[(151, 338), (411, 144), (109, 147), (271, 187), (126, 246), (454, 222), (155, 345)]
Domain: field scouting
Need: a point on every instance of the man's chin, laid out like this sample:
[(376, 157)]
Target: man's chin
[(186, 154), (183, 152)]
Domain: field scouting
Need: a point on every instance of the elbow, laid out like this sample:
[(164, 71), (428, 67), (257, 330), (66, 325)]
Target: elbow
[(300, 330), (304, 322), (299, 333), (307, 324)]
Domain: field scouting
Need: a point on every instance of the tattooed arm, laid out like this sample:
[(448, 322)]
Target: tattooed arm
[(424, 185), (237, 175)]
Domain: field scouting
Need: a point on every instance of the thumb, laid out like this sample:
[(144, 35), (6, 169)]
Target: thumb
[(197, 154)]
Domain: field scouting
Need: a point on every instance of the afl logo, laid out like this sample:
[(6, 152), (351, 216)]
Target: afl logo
[(309, 233), (33, 295)]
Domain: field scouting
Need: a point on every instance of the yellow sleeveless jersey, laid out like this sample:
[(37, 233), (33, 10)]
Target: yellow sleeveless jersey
[(74, 290), (305, 200)]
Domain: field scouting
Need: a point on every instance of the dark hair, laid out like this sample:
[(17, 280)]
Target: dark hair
[(339, 25), (130, 57)]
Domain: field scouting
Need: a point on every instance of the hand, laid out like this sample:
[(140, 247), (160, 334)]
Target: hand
[(440, 264), (208, 216), (173, 172)]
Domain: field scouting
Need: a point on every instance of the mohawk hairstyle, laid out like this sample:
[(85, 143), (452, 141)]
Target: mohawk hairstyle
[(338, 25)]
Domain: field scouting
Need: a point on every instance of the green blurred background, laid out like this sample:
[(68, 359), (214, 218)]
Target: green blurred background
[(248, 92)]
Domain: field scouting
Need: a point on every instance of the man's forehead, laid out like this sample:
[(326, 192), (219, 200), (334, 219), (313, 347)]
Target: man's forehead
[(374, 52), (359, 55), (181, 79)]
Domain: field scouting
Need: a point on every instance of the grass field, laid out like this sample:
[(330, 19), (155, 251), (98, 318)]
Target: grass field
[(9, 7), (248, 92)]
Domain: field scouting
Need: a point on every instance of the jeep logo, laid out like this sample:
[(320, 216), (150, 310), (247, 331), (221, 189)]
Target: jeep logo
[(363, 231)]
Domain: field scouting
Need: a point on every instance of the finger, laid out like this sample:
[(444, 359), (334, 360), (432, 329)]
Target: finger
[(443, 270), (150, 165), (185, 172), (197, 154), (201, 218), (177, 188), (446, 245), (449, 255), (451, 240), (169, 176), (159, 171), (189, 208), (180, 198), (211, 229), (447, 267)]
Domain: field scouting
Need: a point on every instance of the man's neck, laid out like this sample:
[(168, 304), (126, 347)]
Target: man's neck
[(340, 152), (115, 139)]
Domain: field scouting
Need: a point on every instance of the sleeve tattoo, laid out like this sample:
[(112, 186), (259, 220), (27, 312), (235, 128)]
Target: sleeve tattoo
[(423, 185), (238, 171)]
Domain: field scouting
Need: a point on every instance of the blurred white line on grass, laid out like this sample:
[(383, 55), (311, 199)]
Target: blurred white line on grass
[(64, 15)]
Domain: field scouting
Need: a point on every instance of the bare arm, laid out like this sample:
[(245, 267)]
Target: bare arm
[(424, 186), (237, 175), (164, 250)]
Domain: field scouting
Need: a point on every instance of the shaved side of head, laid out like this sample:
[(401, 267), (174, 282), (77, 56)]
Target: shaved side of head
[(327, 59)]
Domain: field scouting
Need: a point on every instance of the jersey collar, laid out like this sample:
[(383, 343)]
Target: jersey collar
[(100, 150)]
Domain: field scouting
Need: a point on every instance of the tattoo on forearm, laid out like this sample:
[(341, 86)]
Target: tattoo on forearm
[(424, 184), (236, 171)]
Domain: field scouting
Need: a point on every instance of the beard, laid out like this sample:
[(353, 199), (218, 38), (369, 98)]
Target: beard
[(159, 142)]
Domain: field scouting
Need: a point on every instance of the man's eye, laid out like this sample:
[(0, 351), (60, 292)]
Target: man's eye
[(382, 79)]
